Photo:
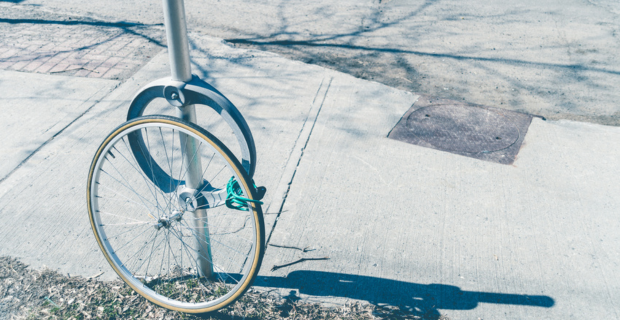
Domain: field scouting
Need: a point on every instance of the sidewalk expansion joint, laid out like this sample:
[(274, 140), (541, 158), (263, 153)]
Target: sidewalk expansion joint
[(296, 155)]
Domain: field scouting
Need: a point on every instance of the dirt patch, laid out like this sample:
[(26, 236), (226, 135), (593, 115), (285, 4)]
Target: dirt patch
[(47, 294)]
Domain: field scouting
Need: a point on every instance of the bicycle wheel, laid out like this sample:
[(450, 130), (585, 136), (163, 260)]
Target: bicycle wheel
[(182, 247)]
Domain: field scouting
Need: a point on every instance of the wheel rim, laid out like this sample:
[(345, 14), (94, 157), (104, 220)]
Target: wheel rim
[(162, 263)]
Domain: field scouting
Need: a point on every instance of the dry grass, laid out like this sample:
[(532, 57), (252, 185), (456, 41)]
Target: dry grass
[(46, 294)]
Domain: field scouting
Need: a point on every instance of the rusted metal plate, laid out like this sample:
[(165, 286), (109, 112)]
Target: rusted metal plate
[(475, 131)]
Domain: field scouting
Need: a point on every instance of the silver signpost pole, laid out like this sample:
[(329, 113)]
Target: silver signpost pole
[(180, 67)]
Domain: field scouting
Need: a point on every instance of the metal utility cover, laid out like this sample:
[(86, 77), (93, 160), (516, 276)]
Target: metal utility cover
[(475, 131)]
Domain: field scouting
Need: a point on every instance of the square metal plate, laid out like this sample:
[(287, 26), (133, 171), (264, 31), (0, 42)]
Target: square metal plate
[(475, 131)]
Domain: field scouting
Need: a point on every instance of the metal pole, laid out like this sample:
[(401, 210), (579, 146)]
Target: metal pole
[(180, 67), (176, 35)]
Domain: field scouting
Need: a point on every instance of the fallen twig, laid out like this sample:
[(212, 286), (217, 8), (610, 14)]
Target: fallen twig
[(306, 249), (80, 68), (274, 268), (97, 275), (52, 302)]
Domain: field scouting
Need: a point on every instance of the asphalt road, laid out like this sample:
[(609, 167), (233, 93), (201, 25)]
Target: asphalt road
[(557, 59)]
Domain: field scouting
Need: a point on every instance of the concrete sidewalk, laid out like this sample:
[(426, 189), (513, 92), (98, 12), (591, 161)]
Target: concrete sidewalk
[(558, 59), (437, 233)]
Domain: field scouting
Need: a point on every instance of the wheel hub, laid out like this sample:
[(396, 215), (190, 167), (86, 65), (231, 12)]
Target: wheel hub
[(166, 221)]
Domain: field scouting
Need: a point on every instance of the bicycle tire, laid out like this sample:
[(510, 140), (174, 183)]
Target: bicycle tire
[(116, 216)]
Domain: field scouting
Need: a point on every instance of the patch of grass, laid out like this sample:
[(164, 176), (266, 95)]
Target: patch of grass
[(46, 294)]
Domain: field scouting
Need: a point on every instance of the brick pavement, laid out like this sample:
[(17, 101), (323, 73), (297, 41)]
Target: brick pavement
[(57, 44)]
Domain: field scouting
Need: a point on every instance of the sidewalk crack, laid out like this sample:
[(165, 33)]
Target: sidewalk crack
[(300, 145)]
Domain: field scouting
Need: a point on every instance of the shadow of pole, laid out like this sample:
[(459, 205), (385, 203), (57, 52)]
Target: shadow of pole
[(419, 299)]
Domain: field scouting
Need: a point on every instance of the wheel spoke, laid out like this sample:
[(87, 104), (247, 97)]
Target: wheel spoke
[(152, 242)]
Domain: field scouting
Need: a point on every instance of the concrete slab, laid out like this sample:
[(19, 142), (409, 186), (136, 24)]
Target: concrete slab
[(35, 108), (43, 202), (442, 234), (274, 94)]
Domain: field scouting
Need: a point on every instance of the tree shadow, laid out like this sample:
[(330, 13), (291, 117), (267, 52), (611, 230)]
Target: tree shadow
[(420, 299), (126, 27), (398, 45), (317, 43), (375, 22)]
